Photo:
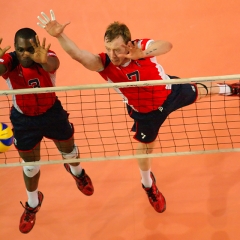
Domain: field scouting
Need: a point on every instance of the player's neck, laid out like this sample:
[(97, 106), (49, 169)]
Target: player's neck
[(126, 63)]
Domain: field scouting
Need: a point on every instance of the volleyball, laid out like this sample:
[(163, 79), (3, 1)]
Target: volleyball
[(6, 137)]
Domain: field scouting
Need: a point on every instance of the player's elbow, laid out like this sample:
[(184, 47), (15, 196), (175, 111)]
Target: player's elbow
[(168, 46)]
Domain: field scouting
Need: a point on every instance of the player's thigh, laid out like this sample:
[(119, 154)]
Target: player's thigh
[(182, 95), (27, 134), (65, 146), (31, 155), (61, 130), (56, 124), (147, 131)]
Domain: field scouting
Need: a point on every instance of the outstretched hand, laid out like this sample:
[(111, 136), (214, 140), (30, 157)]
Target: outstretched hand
[(40, 52), (3, 50), (134, 52), (54, 28)]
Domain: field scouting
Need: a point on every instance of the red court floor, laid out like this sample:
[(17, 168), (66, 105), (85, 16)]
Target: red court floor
[(202, 191)]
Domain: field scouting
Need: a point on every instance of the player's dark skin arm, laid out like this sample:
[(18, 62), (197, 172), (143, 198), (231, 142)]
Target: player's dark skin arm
[(52, 64), (3, 69)]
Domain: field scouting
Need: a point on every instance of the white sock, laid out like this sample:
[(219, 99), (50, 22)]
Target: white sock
[(146, 178), (33, 198), (76, 170), (224, 89)]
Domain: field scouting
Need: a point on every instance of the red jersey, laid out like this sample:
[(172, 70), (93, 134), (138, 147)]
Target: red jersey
[(141, 99), (18, 77)]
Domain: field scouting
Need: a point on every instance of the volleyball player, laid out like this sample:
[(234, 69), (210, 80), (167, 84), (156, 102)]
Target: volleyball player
[(34, 116), (125, 61)]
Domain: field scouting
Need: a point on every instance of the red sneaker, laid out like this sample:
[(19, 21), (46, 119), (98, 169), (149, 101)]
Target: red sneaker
[(235, 88), (28, 217), (83, 182), (155, 197)]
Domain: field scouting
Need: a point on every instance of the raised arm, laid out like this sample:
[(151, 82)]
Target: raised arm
[(88, 60), (3, 68), (55, 29), (157, 48)]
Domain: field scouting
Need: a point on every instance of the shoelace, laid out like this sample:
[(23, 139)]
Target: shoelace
[(83, 180), (151, 194), (28, 213)]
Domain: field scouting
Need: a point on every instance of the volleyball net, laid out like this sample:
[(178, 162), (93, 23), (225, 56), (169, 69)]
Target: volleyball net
[(103, 126)]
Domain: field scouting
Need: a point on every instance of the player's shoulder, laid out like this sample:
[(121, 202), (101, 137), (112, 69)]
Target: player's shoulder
[(105, 59), (144, 42), (10, 60), (9, 56)]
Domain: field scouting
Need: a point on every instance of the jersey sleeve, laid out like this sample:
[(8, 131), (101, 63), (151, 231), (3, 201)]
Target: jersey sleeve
[(106, 61), (51, 53), (103, 57), (143, 43)]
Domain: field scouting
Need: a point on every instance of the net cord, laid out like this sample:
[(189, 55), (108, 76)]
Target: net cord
[(122, 84), (112, 158)]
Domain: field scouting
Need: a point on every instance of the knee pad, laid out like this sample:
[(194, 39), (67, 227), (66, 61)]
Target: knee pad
[(31, 171), (71, 155)]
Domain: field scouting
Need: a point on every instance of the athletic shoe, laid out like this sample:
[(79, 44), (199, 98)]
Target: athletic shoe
[(28, 217), (83, 181), (155, 197), (235, 88)]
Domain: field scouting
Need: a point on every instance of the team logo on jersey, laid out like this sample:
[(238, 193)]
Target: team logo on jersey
[(160, 109), (143, 135)]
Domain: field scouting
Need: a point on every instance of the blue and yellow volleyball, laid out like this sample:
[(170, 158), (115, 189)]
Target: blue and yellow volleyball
[(6, 137)]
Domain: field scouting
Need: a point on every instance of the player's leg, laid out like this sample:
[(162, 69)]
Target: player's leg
[(146, 133), (70, 151), (27, 141), (31, 175), (61, 132), (206, 89), (145, 163), (147, 126)]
